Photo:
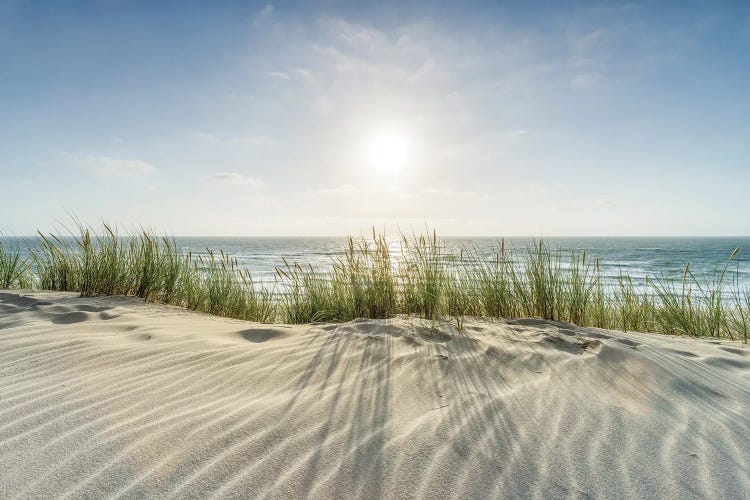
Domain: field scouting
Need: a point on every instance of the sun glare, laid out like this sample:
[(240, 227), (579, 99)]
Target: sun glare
[(387, 151)]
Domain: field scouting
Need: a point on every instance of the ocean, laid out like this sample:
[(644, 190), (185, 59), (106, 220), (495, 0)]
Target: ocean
[(635, 256)]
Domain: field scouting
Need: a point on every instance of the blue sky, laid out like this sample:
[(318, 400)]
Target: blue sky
[(223, 118)]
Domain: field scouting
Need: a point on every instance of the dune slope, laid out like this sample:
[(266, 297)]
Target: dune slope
[(112, 397)]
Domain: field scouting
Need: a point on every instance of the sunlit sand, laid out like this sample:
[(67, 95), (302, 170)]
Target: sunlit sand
[(106, 397)]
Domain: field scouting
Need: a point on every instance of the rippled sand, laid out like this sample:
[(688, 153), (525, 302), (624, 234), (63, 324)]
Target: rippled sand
[(113, 397)]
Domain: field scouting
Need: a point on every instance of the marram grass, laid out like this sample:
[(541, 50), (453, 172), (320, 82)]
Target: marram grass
[(368, 282), (14, 271)]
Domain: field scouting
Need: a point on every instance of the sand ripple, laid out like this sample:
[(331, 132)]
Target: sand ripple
[(108, 397)]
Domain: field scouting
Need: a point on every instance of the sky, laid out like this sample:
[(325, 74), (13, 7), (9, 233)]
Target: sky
[(328, 118)]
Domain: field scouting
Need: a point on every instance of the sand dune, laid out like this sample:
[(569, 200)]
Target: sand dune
[(111, 397)]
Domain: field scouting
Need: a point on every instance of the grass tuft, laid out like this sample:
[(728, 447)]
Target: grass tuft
[(14, 271)]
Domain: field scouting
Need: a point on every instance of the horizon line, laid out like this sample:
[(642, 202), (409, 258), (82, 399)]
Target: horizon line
[(439, 236)]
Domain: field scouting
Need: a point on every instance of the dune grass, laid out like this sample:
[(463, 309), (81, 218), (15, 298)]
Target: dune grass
[(14, 271), (360, 284), (147, 266), (368, 281)]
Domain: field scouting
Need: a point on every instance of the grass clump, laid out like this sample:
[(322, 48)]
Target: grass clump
[(422, 276), (56, 264), (220, 287), (576, 288), (693, 308), (14, 270), (633, 309), (360, 284), (365, 278), (312, 296), (150, 267), (540, 285), (492, 283)]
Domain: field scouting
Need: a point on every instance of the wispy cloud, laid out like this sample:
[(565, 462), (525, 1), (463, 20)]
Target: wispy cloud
[(590, 40), (301, 74), (236, 179), (391, 190), (448, 192), (260, 140), (105, 166), (263, 15)]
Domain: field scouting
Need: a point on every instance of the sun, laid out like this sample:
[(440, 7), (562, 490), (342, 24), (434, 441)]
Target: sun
[(387, 151)]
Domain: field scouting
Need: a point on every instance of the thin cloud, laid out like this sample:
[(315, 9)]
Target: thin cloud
[(589, 40), (263, 15), (261, 141), (108, 167), (448, 192), (236, 179)]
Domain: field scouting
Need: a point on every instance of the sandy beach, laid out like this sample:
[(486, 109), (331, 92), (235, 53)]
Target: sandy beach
[(114, 397)]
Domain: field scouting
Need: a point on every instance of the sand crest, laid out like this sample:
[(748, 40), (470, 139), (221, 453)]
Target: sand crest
[(112, 397)]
